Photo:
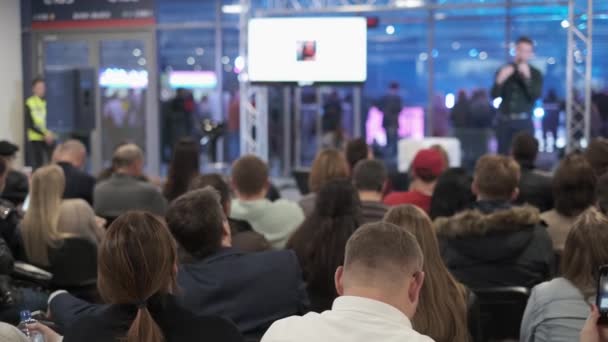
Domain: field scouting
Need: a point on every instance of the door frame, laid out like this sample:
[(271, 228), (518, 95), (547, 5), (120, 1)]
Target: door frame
[(93, 38)]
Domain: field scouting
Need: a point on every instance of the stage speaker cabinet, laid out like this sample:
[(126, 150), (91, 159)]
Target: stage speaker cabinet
[(70, 99)]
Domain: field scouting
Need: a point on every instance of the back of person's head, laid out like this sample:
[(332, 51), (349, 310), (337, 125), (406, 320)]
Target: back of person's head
[(602, 193), (328, 164), (356, 150), (386, 260), (370, 175), (3, 173), (442, 310), (597, 155), (39, 228), (452, 193), (196, 220), (585, 250), (128, 156), (573, 185), (137, 260), (250, 176), (183, 167), (427, 165), (216, 181), (71, 151), (496, 178), (320, 240), (524, 148)]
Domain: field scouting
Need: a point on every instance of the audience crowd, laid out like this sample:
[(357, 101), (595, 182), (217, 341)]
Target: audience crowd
[(204, 256)]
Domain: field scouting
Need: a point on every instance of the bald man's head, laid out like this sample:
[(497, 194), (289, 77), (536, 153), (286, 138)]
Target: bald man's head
[(71, 151), (128, 159)]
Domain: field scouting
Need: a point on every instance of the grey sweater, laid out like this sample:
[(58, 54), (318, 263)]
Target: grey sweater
[(121, 193), (556, 312)]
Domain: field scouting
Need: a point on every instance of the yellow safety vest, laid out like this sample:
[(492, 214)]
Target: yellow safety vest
[(37, 107)]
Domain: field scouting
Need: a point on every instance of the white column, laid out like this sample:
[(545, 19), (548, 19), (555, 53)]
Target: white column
[(11, 82)]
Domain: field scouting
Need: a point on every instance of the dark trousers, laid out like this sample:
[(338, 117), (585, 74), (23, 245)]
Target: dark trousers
[(39, 154), (508, 128)]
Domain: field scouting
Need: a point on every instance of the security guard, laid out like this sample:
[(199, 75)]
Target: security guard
[(39, 137)]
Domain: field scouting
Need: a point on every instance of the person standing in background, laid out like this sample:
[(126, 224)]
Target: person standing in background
[(519, 85), (391, 107), (39, 137)]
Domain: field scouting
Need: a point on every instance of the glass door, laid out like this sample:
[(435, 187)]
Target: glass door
[(125, 89)]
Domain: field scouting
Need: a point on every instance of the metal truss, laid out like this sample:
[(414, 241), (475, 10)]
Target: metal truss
[(253, 99), (578, 74)]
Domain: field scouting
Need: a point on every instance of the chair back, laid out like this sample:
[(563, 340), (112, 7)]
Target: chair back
[(74, 267), (301, 177), (501, 311)]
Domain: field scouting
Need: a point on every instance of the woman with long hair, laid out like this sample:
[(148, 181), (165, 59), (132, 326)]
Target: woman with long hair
[(320, 241), (557, 309), (184, 166), (137, 277), (328, 164), (50, 219), (442, 310)]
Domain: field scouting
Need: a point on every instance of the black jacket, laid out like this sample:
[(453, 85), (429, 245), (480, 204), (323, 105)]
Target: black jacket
[(535, 188), (16, 188), (78, 184), (176, 323), (252, 290), (518, 93), (496, 245), (10, 217)]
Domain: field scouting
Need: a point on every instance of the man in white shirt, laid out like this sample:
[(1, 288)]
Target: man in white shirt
[(275, 220), (379, 286)]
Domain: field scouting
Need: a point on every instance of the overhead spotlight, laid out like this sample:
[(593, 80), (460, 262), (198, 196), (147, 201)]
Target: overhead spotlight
[(565, 23), (232, 9), (390, 29), (496, 102), (409, 3), (450, 100)]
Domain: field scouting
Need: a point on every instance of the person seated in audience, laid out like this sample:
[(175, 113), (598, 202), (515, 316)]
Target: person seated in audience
[(244, 238), (320, 241), (534, 186), (357, 150), (71, 156), (370, 179), (574, 185), (137, 278), (597, 155), (379, 287), (496, 244), (10, 216), (50, 220), (427, 166), (442, 312), (125, 190), (444, 154), (252, 290), (328, 164), (557, 309), (452, 193), (602, 193), (275, 220), (184, 166), (17, 184)]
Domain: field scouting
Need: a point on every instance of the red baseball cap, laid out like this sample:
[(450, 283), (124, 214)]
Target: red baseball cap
[(428, 162)]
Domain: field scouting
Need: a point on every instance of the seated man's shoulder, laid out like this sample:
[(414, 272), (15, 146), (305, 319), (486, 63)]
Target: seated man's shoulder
[(287, 328)]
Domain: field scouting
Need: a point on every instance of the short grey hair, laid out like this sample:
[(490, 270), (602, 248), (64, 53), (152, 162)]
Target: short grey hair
[(126, 155)]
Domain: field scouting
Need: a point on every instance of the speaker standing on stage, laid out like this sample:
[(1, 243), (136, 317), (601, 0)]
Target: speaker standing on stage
[(519, 85), (39, 137)]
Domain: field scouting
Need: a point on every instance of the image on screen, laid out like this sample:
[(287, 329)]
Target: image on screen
[(307, 50), (603, 292)]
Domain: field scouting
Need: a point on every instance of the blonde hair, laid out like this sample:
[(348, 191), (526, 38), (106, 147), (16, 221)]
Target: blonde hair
[(328, 164), (585, 250), (442, 311), (40, 224)]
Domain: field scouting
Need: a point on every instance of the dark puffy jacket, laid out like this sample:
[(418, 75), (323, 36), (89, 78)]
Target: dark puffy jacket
[(496, 245)]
